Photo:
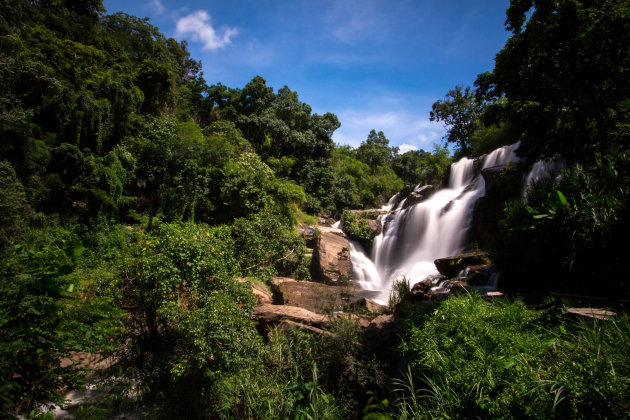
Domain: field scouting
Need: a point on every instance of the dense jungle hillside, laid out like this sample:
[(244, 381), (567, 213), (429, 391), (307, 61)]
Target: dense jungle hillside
[(141, 207)]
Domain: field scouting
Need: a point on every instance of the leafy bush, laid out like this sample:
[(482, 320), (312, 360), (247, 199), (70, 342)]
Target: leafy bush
[(570, 226), (357, 227)]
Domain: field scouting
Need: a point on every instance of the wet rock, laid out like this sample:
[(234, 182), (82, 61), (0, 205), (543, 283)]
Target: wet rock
[(420, 290), (331, 258), (451, 266), (438, 293), (479, 275), (456, 285), (419, 194)]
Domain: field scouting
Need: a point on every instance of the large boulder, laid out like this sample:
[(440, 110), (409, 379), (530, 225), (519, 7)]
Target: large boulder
[(271, 315), (316, 297), (321, 298), (331, 257), (451, 266)]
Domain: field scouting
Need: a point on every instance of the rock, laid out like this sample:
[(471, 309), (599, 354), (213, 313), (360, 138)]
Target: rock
[(438, 293), (381, 323), (308, 233), (456, 285), (368, 305), (375, 226), (594, 313), (263, 295), (423, 285), (419, 194), (331, 258), (451, 266), (316, 297), (420, 290), (288, 325), (502, 183), (270, 315), (382, 329), (362, 320), (478, 275)]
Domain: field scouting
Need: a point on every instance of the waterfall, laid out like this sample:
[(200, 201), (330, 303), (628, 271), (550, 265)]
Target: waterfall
[(541, 170), (431, 229)]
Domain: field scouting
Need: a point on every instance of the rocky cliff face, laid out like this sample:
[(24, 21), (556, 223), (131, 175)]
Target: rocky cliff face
[(503, 183), (331, 257)]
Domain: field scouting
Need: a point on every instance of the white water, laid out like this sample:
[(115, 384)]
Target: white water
[(541, 170), (431, 229)]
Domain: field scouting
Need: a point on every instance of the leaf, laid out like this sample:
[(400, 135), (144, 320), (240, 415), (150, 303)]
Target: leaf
[(70, 288), (562, 199), (531, 210)]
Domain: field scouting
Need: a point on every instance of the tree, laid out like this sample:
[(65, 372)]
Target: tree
[(375, 150), (408, 166), (460, 114), (565, 73)]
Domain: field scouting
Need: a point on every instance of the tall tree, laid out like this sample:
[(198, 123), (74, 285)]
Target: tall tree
[(459, 111), (565, 72), (375, 150)]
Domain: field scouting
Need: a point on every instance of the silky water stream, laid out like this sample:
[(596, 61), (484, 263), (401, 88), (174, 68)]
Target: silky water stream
[(414, 237)]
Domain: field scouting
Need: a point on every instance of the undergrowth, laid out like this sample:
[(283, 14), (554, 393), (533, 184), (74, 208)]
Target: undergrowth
[(476, 359)]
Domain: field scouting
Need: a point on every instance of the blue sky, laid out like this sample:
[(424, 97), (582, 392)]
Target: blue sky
[(375, 64)]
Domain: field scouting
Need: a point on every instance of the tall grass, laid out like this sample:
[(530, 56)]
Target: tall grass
[(476, 359)]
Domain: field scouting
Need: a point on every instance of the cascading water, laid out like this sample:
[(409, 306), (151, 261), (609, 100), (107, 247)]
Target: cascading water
[(541, 170), (431, 229)]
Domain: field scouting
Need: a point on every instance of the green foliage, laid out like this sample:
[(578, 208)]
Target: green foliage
[(375, 150), (473, 358), (420, 167), (400, 292), (575, 223), (187, 313), (460, 113), (14, 207), (265, 245), (43, 317), (357, 227)]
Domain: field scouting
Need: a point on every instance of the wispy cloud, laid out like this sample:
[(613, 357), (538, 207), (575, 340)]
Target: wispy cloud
[(157, 6), (197, 27), (404, 129)]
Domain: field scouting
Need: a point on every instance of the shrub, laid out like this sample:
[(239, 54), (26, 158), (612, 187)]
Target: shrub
[(357, 227)]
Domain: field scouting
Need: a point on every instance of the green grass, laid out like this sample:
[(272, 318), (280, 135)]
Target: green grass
[(475, 359)]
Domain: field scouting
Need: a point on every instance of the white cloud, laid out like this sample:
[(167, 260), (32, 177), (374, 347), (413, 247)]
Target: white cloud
[(197, 26), (404, 129), (405, 147), (157, 6)]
